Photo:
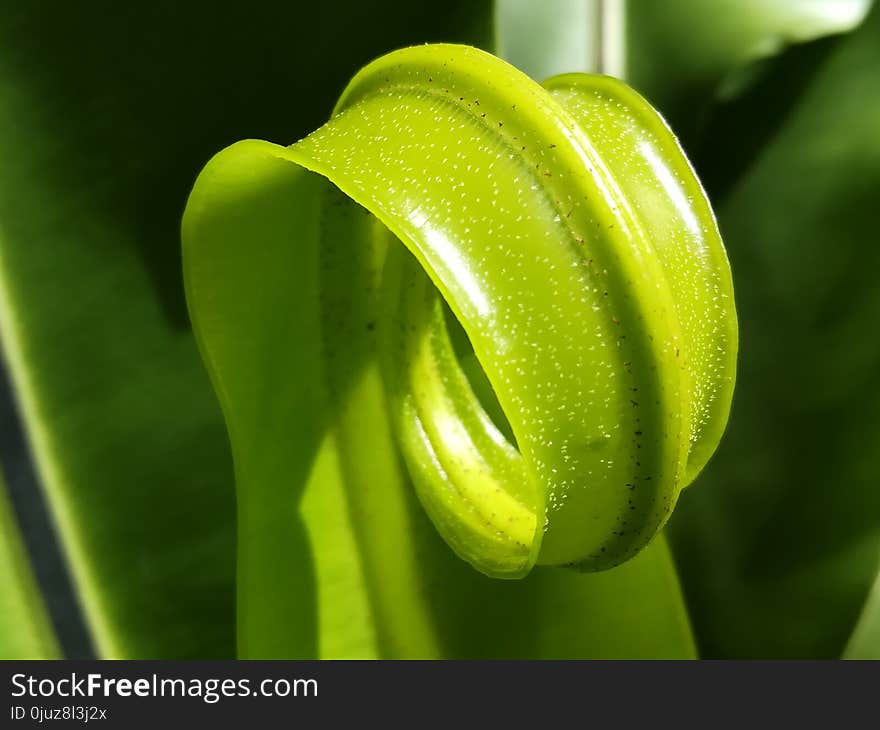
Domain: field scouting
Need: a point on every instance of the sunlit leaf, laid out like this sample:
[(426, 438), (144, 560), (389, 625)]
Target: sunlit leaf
[(616, 275)]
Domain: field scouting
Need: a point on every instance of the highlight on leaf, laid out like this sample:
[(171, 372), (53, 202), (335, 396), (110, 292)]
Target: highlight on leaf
[(533, 270)]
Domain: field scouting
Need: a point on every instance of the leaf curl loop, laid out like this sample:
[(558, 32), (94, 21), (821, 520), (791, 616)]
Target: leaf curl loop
[(566, 233)]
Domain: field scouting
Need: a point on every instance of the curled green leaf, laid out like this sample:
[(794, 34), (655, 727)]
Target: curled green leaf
[(559, 227)]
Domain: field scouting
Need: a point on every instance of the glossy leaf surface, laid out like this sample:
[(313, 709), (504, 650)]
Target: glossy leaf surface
[(424, 601), (547, 255)]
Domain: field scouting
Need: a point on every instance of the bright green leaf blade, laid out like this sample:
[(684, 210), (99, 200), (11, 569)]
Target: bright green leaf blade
[(425, 601), (778, 542), (266, 323), (106, 113), (635, 611), (25, 630), (507, 147), (345, 625), (675, 215), (257, 231)]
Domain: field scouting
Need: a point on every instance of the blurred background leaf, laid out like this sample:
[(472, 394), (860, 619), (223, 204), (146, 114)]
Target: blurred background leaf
[(684, 53), (107, 112), (778, 542), (865, 640), (544, 39), (25, 630)]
